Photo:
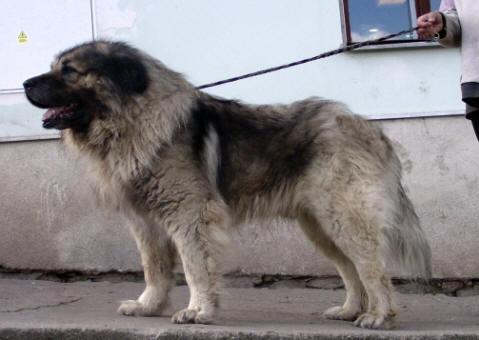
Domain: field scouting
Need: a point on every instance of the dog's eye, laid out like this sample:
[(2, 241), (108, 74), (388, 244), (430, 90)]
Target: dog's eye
[(68, 70)]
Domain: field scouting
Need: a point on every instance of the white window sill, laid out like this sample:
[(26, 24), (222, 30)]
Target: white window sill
[(395, 46)]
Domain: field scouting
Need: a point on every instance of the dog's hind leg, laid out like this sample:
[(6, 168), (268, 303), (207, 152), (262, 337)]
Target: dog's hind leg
[(158, 260), (357, 234), (381, 312), (356, 298)]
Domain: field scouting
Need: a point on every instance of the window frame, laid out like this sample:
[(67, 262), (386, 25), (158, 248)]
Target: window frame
[(418, 8)]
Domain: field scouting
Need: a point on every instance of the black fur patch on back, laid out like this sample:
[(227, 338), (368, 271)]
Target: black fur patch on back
[(258, 153)]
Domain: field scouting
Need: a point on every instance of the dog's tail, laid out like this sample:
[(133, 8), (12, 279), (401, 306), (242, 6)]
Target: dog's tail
[(405, 240)]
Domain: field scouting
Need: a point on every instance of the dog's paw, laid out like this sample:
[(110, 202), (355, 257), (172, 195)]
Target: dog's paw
[(373, 321), (136, 308), (186, 315), (340, 313)]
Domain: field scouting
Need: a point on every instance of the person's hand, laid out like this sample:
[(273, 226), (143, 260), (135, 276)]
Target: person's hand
[(429, 24)]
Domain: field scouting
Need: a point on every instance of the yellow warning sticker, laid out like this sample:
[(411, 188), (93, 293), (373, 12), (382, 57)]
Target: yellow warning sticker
[(22, 38)]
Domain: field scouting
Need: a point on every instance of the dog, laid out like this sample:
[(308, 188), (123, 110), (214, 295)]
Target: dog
[(186, 167)]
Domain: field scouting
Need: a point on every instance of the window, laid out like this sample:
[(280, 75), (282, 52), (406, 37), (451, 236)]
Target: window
[(372, 19)]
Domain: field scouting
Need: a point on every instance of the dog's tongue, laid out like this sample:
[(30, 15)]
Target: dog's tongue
[(57, 111), (50, 113)]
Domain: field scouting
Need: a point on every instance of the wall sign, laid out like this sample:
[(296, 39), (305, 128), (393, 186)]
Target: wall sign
[(32, 32)]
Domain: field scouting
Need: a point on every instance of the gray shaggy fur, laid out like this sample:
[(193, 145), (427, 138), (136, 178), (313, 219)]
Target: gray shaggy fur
[(186, 167)]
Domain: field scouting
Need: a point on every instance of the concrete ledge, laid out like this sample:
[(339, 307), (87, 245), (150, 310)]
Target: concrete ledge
[(86, 310)]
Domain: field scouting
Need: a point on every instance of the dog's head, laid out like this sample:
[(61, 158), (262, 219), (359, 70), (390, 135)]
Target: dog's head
[(85, 81)]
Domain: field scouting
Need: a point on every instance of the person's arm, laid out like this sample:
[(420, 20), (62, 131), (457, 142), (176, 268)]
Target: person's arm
[(451, 33), (446, 27)]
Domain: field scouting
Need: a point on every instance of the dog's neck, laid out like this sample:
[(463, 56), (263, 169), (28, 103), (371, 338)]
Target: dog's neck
[(126, 147)]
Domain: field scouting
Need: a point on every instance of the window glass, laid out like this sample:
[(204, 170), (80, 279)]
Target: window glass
[(436, 4), (371, 19)]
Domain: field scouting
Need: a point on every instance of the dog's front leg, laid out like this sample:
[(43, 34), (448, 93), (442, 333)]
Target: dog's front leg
[(158, 259), (199, 238)]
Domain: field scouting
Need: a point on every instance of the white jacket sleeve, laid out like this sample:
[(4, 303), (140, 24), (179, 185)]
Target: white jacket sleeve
[(452, 28)]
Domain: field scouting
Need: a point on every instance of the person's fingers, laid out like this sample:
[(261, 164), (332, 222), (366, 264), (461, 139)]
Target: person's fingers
[(422, 24), (428, 30), (432, 19), (436, 19), (425, 34), (429, 24), (424, 21)]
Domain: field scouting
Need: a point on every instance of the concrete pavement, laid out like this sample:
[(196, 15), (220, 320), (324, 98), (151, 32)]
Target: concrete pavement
[(87, 310)]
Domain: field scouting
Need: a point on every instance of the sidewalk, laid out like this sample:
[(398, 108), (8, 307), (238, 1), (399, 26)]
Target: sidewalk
[(87, 310)]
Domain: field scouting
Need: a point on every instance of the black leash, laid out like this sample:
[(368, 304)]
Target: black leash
[(304, 61)]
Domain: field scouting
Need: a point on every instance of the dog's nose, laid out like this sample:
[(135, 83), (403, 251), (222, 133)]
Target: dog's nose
[(28, 84)]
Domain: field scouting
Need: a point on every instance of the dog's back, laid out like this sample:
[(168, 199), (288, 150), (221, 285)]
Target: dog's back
[(256, 155)]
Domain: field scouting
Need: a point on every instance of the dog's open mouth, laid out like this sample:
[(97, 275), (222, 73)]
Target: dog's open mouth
[(55, 115)]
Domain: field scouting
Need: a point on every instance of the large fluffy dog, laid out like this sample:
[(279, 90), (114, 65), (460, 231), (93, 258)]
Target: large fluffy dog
[(186, 167)]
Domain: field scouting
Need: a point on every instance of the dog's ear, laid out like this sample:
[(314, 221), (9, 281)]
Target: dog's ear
[(126, 72)]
